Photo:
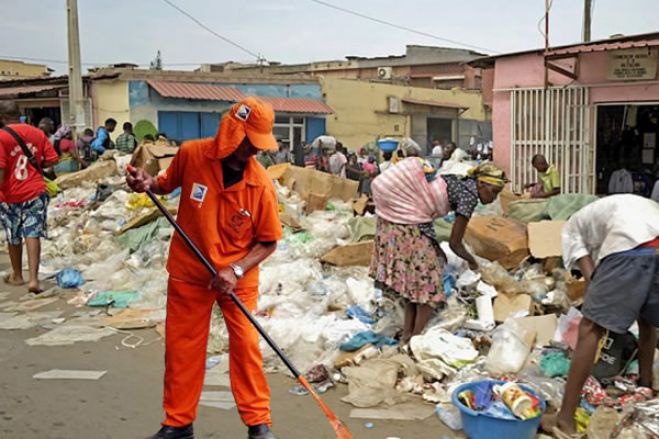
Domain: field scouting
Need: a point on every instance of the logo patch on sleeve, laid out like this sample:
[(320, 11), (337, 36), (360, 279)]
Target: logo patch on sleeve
[(243, 112), (198, 192)]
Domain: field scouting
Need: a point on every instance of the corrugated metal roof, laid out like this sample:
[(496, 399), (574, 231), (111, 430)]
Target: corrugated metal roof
[(293, 105), (209, 92), (201, 92), (28, 89), (603, 47), (433, 103)]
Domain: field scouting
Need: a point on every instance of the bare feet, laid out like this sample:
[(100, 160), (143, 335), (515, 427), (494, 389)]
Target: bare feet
[(33, 287), (12, 279), (551, 423)]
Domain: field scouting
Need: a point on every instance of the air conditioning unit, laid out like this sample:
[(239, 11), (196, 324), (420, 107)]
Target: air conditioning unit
[(394, 104), (384, 72)]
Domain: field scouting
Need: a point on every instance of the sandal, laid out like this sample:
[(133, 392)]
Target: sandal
[(34, 290), (8, 281)]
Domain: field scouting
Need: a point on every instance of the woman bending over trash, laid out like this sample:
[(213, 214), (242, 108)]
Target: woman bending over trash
[(407, 258)]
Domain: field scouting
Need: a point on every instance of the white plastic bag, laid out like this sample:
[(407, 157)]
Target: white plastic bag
[(509, 350)]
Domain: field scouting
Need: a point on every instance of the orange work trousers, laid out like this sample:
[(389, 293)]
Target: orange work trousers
[(189, 309)]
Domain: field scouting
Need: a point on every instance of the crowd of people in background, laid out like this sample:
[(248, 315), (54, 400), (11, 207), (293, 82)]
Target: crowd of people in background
[(75, 155), (363, 165)]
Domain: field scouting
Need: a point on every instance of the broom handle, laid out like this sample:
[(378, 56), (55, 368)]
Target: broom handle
[(191, 245)]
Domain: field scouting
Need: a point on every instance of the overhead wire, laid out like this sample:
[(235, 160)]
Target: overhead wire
[(400, 27), (211, 31), (93, 64)]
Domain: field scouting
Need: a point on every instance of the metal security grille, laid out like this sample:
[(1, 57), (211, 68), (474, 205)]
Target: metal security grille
[(553, 122)]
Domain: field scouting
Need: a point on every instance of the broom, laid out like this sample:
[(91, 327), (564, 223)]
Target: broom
[(341, 430)]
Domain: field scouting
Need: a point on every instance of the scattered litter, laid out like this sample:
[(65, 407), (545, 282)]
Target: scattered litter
[(555, 364), (116, 299), (26, 321), (70, 334), (60, 374), (69, 278), (217, 399), (409, 411), (31, 305)]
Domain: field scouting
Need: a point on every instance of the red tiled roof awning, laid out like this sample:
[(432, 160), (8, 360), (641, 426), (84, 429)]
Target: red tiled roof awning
[(211, 92), (293, 105), (200, 92), (434, 103), (28, 89)]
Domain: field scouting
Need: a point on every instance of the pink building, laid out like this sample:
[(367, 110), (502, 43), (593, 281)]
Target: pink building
[(592, 109)]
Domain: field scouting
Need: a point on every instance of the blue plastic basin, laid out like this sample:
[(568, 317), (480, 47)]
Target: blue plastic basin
[(388, 145), (481, 426)]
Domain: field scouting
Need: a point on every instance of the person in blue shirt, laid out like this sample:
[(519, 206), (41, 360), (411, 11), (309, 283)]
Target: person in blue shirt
[(102, 140)]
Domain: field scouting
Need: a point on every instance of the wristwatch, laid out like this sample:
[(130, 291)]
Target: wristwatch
[(237, 270)]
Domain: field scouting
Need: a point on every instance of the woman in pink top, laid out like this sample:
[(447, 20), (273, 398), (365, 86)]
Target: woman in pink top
[(407, 258)]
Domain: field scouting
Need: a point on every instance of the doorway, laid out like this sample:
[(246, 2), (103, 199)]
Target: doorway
[(440, 129), (627, 158)]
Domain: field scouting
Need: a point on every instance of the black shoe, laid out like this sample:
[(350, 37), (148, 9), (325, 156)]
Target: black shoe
[(175, 433), (261, 431)]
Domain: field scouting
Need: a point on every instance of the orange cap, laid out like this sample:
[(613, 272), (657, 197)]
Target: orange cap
[(250, 117)]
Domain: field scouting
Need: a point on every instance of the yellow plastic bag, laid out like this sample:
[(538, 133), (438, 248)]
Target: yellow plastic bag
[(137, 201), (51, 187)]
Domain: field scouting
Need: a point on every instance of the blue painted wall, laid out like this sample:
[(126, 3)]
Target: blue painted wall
[(183, 119), (315, 128)]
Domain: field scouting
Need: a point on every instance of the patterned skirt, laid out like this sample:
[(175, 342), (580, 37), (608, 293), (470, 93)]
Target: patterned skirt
[(405, 260)]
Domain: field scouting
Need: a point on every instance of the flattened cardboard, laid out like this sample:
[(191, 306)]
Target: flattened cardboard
[(277, 171), (545, 327), (512, 305), (359, 254), (97, 171), (545, 239), (316, 202), (359, 206), (311, 181)]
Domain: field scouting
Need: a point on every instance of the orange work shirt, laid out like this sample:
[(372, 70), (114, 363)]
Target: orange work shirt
[(224, 223)]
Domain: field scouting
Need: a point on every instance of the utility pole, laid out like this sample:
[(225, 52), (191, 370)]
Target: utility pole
[(587, 18), (76, 98)]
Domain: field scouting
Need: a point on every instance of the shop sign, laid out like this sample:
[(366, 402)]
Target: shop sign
[(632, 64)]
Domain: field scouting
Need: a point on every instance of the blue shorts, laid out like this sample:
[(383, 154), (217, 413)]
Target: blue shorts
[(624, 286), (25, 220)]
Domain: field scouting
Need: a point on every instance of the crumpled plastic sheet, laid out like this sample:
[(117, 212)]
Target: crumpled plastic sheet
[(440, 344)]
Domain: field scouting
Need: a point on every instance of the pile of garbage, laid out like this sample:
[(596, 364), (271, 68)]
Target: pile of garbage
[(513, 321)]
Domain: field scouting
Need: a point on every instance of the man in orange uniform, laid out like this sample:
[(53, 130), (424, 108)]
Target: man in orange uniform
[(229, 208)]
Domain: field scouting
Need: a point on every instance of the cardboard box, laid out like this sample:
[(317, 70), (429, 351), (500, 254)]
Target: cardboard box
[(545, 239), (153, 158), (498, 239), (512, 305), (359, 253), (306, 181)]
